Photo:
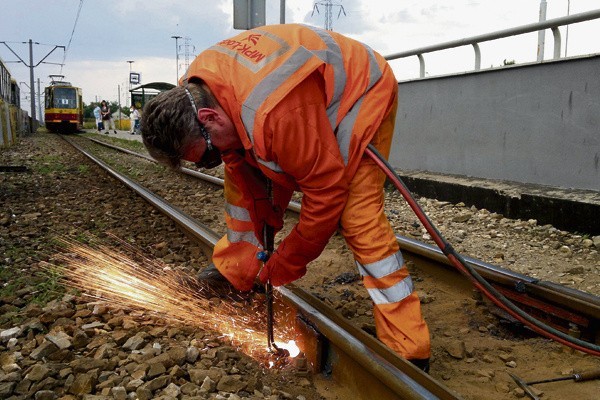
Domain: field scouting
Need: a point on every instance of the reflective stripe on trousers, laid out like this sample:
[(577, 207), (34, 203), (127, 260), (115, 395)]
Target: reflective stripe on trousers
[(239, 225), (240, 243), (380, 270)]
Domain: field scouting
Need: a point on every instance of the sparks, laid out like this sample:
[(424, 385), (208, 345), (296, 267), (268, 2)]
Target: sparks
[(143, 284), (290, 346)]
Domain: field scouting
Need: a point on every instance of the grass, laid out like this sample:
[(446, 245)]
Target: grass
[(44, 287), (89, 124), (49, 164), (125, 143), (18, 283), (49, 288)]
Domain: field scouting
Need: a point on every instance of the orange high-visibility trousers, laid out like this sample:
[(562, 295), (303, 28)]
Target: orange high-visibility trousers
[(368, 233)]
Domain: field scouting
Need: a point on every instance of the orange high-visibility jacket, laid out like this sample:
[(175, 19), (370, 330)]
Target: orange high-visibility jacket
[(271, 81)]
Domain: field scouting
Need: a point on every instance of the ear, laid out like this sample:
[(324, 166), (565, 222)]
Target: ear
[(207, 115)]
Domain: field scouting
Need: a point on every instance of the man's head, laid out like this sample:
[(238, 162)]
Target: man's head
[(170, 127)]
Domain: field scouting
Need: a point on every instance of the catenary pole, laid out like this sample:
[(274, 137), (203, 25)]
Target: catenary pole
[(31, 88)]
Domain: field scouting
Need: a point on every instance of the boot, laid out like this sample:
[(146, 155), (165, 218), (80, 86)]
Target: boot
[(211, 281), (422, 364)]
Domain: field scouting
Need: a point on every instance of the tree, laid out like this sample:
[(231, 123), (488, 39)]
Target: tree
[(88, 110)]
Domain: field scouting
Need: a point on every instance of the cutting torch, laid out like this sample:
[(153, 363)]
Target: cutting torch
[(269, 246)]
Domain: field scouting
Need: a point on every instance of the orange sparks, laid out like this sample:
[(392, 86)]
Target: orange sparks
[(290, 346), (145, 284)]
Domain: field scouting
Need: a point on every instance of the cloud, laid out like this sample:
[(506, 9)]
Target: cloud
[(90, 76), (398, 17)]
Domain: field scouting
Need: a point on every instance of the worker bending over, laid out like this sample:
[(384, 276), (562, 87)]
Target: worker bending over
[(296, 105)]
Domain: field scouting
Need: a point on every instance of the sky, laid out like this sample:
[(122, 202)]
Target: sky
[(101, 36)]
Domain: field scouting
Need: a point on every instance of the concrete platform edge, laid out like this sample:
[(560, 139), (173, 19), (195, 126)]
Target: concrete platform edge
[(573, 211)]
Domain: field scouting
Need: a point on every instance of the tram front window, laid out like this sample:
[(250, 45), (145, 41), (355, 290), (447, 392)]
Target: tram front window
[(65, 98)]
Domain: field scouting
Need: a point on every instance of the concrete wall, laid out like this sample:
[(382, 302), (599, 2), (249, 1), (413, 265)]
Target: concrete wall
[(7, 125), (13, 123), (537, 123)]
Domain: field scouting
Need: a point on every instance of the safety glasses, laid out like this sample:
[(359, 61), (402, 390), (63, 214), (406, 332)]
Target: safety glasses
[(212, 156)]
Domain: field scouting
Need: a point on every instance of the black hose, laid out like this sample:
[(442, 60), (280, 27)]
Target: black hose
[(458, 261)]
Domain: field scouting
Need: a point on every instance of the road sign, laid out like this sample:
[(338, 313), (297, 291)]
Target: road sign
[(135, 78)]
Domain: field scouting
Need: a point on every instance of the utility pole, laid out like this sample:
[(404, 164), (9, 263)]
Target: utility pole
[(119, 102), (39, 101), (129, 84), (328, 4), (186, 46), (31, 77), (176, 57)]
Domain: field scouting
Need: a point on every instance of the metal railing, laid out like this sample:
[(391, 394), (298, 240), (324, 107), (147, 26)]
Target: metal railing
[(474, 41)]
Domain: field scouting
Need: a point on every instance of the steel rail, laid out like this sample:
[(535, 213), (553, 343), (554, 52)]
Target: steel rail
[(528, 291), (577, 300), (197, 174), (401, 377), (380, 371)]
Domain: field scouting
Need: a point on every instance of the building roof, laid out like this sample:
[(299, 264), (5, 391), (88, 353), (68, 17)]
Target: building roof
[(159, 86)]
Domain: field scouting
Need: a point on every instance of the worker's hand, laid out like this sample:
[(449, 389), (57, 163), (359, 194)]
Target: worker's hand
[(279, 272), (288, 262)]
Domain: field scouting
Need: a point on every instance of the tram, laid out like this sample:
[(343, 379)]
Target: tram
[(63, 106)]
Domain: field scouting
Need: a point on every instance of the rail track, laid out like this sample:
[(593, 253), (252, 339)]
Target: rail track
[(349, 353)]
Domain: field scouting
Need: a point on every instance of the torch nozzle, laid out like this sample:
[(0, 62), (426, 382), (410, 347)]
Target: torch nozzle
[(279, 351), (269, 299)]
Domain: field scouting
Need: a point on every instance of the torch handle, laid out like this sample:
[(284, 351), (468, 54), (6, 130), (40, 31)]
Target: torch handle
[(587, 375), (269, 242), (583, 376)]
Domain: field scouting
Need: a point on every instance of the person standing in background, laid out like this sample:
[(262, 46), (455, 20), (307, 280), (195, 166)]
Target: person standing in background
[(107, 117), (134, 117), (98, 116)]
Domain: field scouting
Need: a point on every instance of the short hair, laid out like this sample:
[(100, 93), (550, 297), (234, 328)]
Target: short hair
[(169, 122)]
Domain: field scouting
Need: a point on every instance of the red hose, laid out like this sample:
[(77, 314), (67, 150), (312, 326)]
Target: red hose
[(456, 260)]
